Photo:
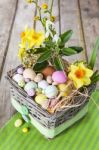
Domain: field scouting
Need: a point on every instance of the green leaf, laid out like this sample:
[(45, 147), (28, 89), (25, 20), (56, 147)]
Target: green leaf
[(40, 66), (58, 63), (40, 50), (76, 48), (45, 56), (68, 51), (65, 36), (94, 75), (96, 79), (94, 54)]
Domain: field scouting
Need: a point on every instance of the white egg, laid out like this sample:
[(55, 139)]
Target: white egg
[(43, 84), (18, 77)]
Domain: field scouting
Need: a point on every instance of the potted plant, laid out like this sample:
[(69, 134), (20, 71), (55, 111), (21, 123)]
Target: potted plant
[(47, 90)]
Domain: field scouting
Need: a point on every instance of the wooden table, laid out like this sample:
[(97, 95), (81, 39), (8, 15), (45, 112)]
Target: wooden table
[(80, 15)]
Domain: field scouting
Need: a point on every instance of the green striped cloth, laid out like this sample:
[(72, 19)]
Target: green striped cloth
[(84, 135)]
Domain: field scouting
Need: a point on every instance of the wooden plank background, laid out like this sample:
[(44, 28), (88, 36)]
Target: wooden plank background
[(80, 15)]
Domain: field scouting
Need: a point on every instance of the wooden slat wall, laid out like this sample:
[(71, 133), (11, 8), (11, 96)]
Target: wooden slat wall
[(90, 19), (70, 19), (7, 15), (24, 16)]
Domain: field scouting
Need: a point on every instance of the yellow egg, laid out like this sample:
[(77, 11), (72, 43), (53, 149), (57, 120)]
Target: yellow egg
[(64, 94), (62, 87), (40, 98), (25, 130)]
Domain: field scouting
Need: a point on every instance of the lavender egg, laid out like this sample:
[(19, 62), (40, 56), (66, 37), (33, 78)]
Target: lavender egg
[(43, 84), (31, 92), (20, 70)]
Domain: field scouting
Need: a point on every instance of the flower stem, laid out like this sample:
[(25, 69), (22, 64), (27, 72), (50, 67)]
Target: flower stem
[(51, 9)]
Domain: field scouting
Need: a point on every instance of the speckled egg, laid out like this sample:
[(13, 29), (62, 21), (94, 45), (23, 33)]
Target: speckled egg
[(53, 103), (27, 80), (59, 77), (38, 91), (20, 70), (38, 77), (62, 87), (18, 123), (45, 104), (48, 71), (51, 91), (49, 79), (21, 83), (18, 77), (29, 73), (40, 99), (30, 85), (31, 92), (54, 83), (43, 84)]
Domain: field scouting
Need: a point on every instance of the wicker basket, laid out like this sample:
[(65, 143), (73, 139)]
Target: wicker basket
[(48, 124)]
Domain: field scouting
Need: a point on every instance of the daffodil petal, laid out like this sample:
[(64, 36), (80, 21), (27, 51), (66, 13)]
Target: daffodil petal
[(86, 81), (89, 72), (78, 83)]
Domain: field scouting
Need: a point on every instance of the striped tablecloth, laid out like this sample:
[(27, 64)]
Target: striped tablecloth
[(84, 135)]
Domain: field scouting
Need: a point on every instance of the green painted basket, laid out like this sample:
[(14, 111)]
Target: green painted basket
[(48, 124)]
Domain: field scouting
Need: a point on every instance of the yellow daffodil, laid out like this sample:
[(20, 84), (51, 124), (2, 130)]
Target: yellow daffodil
[(25, 35), (21, 53), (44, 6), (30, 38), (36, 38), (80, 74)]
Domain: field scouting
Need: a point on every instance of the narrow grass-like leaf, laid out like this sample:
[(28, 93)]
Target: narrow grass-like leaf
[(94, 54)]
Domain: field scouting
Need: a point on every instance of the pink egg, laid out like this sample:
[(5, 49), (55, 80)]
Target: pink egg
[(59, 77)]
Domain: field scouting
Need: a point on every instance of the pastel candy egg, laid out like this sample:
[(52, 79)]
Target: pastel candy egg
[(53, 103), (20, 70), (43, 84), (27, 80), (49, 79), (18, 123), (45, 104), (59, 77), (48, 71), (62, 87), (54, 83), (21, 83), (51, 91), (30, 85), (31, 92), (18, 77), (40, 98), (25, 130), (29, 73), (38, 91), (38, 77)]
